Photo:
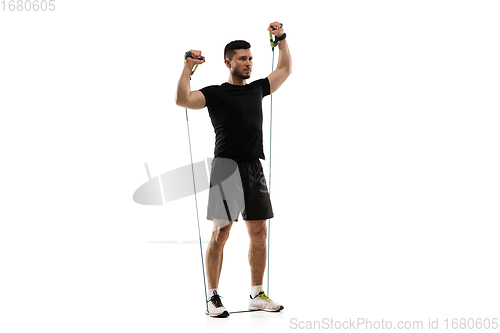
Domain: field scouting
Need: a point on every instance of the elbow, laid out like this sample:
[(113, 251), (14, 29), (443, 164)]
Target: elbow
[(179, 102), (285, 71)]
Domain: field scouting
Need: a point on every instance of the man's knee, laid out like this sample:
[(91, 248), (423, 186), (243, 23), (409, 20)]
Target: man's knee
[(258, 234), (221, 231)]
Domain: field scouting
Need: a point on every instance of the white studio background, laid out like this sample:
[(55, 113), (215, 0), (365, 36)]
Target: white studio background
[(385, 182)]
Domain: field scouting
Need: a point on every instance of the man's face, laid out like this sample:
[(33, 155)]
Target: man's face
[(241, 64)]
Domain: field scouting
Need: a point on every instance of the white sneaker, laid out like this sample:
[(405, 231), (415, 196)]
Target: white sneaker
[(215, 307), (262, 302)]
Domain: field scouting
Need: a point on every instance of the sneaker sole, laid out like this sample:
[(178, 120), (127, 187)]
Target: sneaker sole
[(222, 315), (268, 310)]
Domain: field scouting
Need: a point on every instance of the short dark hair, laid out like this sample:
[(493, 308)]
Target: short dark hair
[(230, 49)]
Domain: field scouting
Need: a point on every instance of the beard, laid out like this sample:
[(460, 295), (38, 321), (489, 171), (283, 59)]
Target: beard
[(242, 75)]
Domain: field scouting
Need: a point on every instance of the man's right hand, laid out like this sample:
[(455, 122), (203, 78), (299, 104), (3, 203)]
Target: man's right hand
[(185, 97), (195, 58)]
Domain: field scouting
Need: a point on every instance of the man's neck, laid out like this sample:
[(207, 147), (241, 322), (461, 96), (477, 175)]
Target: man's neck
[(236, 80)]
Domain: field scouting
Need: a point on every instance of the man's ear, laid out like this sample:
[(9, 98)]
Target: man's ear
[(227, 62)]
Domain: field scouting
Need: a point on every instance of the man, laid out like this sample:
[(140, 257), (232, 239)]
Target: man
[(235, 109)]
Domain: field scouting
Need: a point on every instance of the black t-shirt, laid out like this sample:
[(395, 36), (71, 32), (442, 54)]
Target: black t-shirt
[(236, 114)]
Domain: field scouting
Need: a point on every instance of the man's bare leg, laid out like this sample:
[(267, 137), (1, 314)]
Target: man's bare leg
[(215, 249), (257, 253)]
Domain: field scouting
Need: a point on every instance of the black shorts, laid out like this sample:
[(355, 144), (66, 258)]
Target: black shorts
[(238, 188)]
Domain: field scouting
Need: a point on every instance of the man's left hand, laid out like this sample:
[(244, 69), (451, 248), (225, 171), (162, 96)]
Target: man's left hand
[(277, 30)]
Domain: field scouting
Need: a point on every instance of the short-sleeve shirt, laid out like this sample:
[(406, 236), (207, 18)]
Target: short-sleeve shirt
[(236, 114)]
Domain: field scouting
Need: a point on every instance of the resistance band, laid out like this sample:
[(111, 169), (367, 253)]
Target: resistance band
[(188, 54), (273, 44)]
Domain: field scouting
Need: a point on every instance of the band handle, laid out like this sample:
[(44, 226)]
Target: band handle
[(190, 55), (273, 42), (281, 26)]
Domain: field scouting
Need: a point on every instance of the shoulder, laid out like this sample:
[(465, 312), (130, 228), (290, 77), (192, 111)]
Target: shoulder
[(262, 81), (263, 84), (211, 94), (210, 88)]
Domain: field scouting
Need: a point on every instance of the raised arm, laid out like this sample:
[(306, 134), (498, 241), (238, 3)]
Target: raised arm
[(185, 97), (284, 67)]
